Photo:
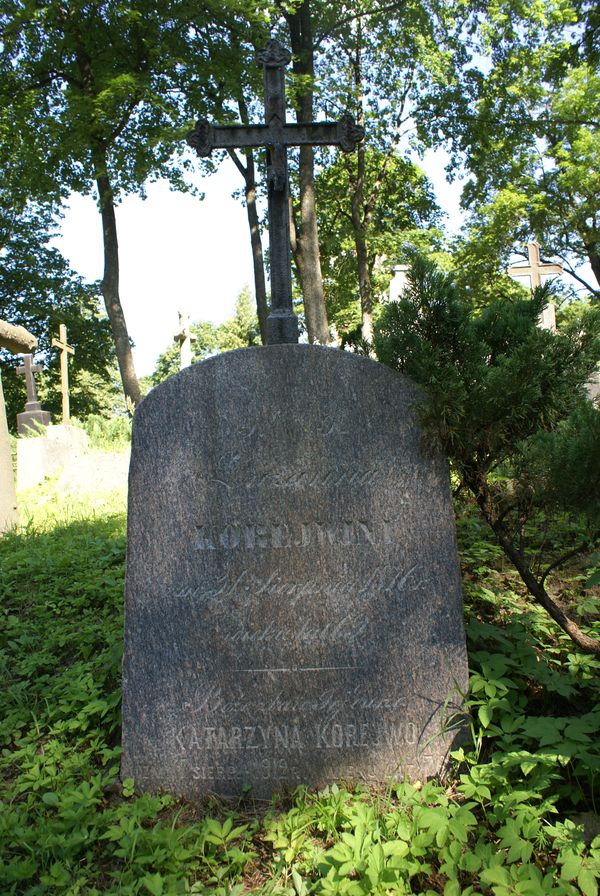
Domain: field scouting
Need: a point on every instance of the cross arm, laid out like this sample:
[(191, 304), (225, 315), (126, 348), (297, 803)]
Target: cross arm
[(344, 133), (56, 343)]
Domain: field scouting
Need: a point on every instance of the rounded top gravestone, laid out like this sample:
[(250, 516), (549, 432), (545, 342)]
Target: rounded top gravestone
[(293, 603)]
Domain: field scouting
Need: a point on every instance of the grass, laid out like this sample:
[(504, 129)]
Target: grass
[(518, 815)]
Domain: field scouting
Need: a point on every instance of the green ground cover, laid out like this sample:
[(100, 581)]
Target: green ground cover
[(519, 814)]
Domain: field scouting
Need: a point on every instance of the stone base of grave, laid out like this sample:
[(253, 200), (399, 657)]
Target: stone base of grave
[(42, 456), (32, 418)]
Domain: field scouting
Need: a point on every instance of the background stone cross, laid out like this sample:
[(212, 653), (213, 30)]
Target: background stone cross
[(185, 338), (65, 351), (276, 135), (28, 370), (33, 416), (534, 270)]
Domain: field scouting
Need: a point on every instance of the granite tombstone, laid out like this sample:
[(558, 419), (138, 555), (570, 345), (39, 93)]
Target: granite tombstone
[(293, 603)]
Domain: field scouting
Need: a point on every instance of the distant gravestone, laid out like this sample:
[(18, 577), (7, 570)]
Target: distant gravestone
[(293, 602), (32, 417)]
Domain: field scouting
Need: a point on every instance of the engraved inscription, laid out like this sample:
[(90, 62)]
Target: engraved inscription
[(293, 478), (346, 630), (268, 769), (275, 535), (327, 702), (236, 737), (382, 581), (329, 735)]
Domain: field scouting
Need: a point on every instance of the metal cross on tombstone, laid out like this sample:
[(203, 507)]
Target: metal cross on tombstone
[(65, 351), (276, 135), (534, 270)]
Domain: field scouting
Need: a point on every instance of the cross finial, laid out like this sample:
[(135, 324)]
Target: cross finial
[(33, 414), (274, 55)]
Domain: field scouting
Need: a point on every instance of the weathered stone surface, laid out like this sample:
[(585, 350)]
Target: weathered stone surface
[(9, 517), (293, 604), (32, 420), (45, 455)]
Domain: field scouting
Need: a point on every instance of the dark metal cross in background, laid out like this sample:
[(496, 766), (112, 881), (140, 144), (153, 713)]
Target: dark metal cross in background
[(276, 136)]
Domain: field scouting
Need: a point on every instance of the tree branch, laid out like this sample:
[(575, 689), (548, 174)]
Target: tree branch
[(583, 546)]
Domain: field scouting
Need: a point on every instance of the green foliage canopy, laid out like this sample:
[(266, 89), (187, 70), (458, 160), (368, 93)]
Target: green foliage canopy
[(39, 291), (239, 331), (519, 102)]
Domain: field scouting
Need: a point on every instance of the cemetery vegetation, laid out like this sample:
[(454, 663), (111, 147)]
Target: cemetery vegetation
[(505, 400), (517, 814), (39, 291), (241, 330), (111, 88), (516, 102)]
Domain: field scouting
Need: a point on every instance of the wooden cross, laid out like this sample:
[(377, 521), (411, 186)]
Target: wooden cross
[(28, 370), (185, 339), (534, 271), (277, 136), (65, 351)]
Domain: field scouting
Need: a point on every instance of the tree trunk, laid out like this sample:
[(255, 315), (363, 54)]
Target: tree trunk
[(260, 286), (307, 253), (365, 289), (594, 257), (9, 517), (110, 284), (359, 215), (485, 502)]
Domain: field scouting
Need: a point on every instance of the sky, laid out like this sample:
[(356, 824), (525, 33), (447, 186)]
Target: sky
[(180, 253)]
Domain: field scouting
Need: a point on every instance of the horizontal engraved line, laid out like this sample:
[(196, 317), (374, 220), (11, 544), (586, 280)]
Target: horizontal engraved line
[(309, 479), (303, 669)]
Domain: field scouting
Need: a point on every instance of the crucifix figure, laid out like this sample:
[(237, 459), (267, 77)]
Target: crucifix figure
[(185, 338), (534, 270), (65, 351), (33, 412), (277, 136)]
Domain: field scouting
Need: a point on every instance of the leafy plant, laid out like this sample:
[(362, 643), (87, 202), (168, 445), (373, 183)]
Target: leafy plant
[(517, 815), (503, 399)]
